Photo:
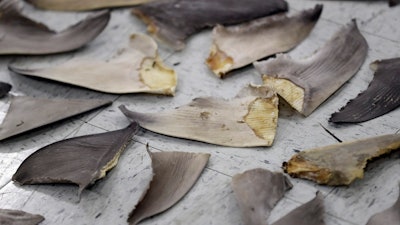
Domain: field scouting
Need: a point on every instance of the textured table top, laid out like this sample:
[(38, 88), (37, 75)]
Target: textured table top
[(211, 200)]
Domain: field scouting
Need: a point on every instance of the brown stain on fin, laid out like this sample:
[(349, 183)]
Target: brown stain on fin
[(79, 160), (27, 113), (261, 112), (174, 175), (164, 17), (240, 45), (28, 37), (381, 97), (157, 77), (219, 62), (306, 84), (17, 217), (340, 164), (257, 192)]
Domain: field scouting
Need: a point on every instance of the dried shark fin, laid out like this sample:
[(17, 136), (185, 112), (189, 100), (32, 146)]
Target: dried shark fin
[(249, 119), (27, 113), (21, 35), (4, 89), (138, 69), (311, 213), (306, 84), (381, 97), (17, 217), (164, 18), (74, 5), (390, 216), (393, 2), (340, 164), (79, 160), (257, 192), (237, 46), (174, 175)]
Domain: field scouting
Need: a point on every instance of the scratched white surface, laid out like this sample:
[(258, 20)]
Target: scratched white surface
[(211, 200)]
